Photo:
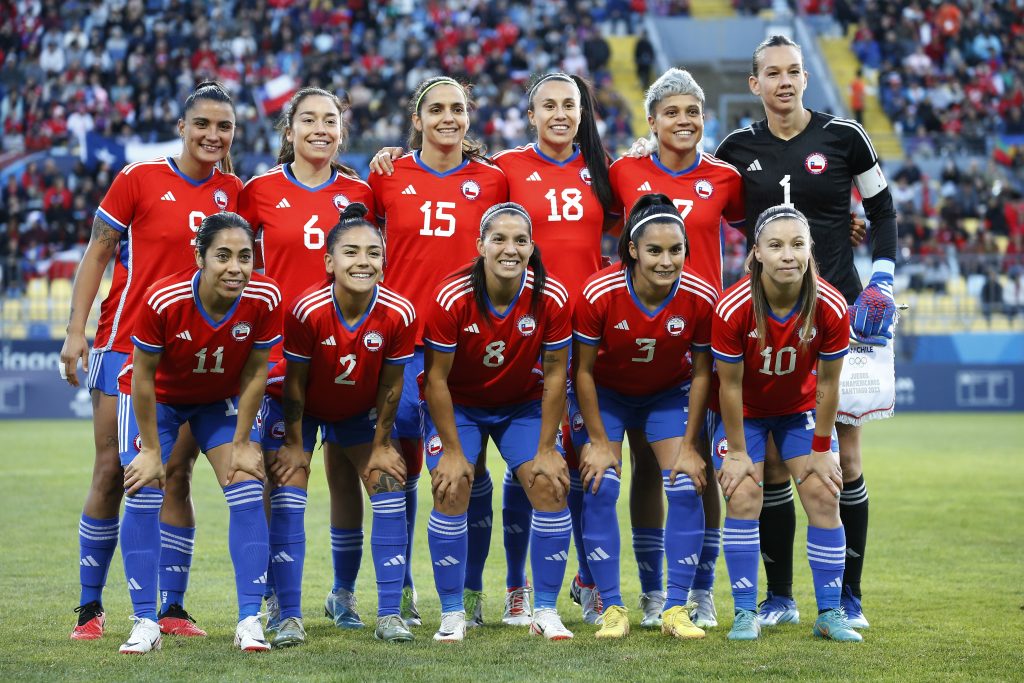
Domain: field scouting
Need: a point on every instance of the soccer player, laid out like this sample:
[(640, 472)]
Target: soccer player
[(431, 206), (485, 330), (813, 160), (202, 338), (642, 332), (706, 191), (148, 220), (293, 206), (345, 344), (779, 338)]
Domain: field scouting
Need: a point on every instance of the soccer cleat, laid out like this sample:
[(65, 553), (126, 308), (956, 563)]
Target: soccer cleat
[(676, 622), (473, 601), (409, 611), (90, 621), (547, 623), (340, 606), (854, 613), (452, 629), (391, 628), (745, 626), (652, 603), (289, 632), (832, 625), (589, 598), (777, 609), (145, 637), (517, 607), (705, 615), (273, 614), (249, 635), (614, 623), (175, 621)]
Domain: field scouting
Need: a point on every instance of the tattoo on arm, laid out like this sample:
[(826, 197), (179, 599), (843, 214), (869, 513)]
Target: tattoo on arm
[(550, 357), (292, 410), (818, 396), (387, 484), (390, 399), (104, 234)]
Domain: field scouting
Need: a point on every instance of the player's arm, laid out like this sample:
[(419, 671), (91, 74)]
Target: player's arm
[(384, 457), (597, 456), (453, 464), (291, 456), (822, 461), (147, 466), (548, 462), (245, 455), (737, 463), (689, 461), (102, 245)]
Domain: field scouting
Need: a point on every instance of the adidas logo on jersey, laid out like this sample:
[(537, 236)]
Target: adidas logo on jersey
[(743, 583), (89, 561), (409, 190), (396, 561), (329, 341), (533, 177), (644, 566), (133, 585), (513, 528), (834, 583), (646, 187), (283, 557), (598, 555), (184, 335), (472, 329), (755, 165), (691, 560), (560, 556), (176, 569), (622, 325), (447, 561), (261, 579), (483, 523), (284, 204), (168, 197)]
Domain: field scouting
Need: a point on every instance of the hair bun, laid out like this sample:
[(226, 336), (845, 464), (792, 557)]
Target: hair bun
[(353, 210)]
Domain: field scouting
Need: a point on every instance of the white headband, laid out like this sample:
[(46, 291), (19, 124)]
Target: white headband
[(658, 217), (788, 211)]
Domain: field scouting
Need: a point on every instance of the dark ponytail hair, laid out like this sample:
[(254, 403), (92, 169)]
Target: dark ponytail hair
[(286, 151), (352, 216), (219, 222), (647, 207), (470, 148), (475, 270), (214, 92), (587, 136), (772, 41)]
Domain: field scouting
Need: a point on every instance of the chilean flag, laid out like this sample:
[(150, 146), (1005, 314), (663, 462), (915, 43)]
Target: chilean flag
[(275, 93)]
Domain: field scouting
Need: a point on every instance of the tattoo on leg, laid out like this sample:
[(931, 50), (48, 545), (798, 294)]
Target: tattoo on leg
[(387, 484)]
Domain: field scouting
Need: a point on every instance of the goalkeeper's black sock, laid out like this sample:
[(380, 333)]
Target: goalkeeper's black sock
[(778, 527), (853, 511)]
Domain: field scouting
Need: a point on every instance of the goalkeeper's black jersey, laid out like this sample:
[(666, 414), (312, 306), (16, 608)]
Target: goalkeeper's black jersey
[(814, 171)]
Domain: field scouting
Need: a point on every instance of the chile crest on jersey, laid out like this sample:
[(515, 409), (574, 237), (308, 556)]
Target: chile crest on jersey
[(816, 163), (220, 198), (704, 188), (373, 341)]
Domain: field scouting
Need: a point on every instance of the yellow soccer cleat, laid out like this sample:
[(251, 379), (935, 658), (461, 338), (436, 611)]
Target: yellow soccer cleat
[(676, 622), (616, 623)]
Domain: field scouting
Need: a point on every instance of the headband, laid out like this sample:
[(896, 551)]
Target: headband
[(783, 211), (658, 216), (559, 75), (440, 81), (510, 207)]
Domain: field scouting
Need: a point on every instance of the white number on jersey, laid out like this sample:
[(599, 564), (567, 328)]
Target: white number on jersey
[(784, 361), (195, 219), (312, 236), (348, 365), (572, 209), (232, 410), (785, 189), (218, 357), (438, 211), (683, 206), (646, 346), (493, 357)]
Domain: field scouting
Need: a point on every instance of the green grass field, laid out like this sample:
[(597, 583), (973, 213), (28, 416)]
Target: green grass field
[(943, 583)]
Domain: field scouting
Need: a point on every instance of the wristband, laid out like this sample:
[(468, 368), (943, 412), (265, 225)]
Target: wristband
[(821, 444)]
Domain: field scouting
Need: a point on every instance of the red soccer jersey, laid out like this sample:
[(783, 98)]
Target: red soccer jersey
[(640, 351), (294, 220), (201, 361), (157, 210), (780, 378), (705, 193), (431, 222), (496, 354), (567, 217), (345, 362)]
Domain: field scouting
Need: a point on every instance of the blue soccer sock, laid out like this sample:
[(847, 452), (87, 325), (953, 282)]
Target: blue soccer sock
[(826, 553), (412, 498), (480, 520), (705, 577), (347, 553), (549, 540), (97, 539), (248, 543), (447, 537), (684, 535), (601, 538), (516, 515), (649, 548), (742, 545), (388, 543), (176, 546), (140, 549), (575, 500), (288, 547)]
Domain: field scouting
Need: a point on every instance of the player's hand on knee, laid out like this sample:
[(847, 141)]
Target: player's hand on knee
[(735, 468), (386, 459), (145, 468), (452, 468), (549, 464), (245, 457), (597, 458), (289, 460), (689, 462), (824, 464)]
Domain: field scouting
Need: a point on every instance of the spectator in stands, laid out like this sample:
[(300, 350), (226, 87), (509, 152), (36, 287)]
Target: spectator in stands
[(643, 55), (992, 297)]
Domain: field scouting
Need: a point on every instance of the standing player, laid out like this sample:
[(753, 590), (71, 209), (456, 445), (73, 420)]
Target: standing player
[(484, 332), (148, 219), (779, 338), (813, 160), (637, 326), (202, 338), (706, 191), (431, 206), (345, 345), (293, 206)]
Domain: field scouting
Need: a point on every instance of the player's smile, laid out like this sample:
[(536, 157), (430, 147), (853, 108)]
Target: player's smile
[(356, 261), (506, 247), (678, 123), (315, 131), (781, 79), (227, 268), (443, 116), (209, 131), (784, 249), (659, 255), (555, 113)]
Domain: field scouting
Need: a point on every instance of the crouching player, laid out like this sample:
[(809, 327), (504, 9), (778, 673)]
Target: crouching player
[(201, 341), (346, 343), (780, 335), (485, 330)]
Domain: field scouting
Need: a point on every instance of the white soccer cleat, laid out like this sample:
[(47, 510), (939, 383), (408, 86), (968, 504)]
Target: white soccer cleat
[(249, 635), (452, 629), (547, 623), (517, 607), (145, 637), (589, 599), (705, 616), (652, 604)]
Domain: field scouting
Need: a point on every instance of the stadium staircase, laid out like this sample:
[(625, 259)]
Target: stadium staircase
[(843, 65), (626, 82), (711, 9)]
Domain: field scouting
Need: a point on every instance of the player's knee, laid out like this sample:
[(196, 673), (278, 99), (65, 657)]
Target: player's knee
[(456, 499), (745, 502), (817, 500), (178, 480)]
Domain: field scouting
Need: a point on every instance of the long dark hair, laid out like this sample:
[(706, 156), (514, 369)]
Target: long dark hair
[(647, 207), (475, 270), (352, 216), (286, 151), (219, 222), (587, 136), (214, 92), (470, 147), (808, 288)]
